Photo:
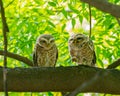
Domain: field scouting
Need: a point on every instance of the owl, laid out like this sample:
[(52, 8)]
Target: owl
[(45, 51), (81, 49)]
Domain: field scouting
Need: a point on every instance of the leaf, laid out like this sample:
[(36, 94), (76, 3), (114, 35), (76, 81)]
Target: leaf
[(100, 62), (40, 2), (52, 24), (111, 26), (50, 94), (80, 19), (73, 22), (73, 9), (83, 5), (118, 53), (50, 12), (64, 13), (52, 4), (63, 27)]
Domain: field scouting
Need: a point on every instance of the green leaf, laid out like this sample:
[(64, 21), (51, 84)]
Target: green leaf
[(64, 13), (73, 22), (100, 62), (40, 2), (63, 27), (50, 12), (52, 4), (80, 19), (50, 94), (73, 9), (118, 53), (52, 24), (111, 26)]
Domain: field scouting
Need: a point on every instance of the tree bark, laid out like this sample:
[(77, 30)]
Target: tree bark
[(65, 79), (105, 6)]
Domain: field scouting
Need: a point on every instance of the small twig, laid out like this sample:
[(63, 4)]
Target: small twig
[(18, 57), (90, 21), (10, 3), (5, 30)]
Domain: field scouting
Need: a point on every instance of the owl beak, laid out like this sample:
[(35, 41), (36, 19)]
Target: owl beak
[(48, 44)]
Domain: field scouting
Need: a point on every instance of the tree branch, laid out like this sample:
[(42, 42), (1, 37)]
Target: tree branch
[(105, 6), (114, 64), (64, 79), (18, 57)]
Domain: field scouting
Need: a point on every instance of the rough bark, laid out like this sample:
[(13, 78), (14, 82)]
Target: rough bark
[(105, 6), (62, 79)]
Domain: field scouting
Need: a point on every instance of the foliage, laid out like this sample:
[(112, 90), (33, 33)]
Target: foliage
[(27, 19)]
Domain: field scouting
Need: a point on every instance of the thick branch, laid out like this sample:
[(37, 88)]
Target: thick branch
[(105, 6), (62, 79), (18, 57)]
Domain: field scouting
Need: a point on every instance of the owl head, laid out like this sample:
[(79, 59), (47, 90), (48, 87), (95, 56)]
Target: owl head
[(46, 41), (76, 40)]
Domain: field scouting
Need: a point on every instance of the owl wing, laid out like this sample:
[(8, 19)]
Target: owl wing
[(35, 59), (56, 56), (91, 45), (94, 59)]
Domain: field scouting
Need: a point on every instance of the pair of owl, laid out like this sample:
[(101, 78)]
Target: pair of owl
[(81, 49)]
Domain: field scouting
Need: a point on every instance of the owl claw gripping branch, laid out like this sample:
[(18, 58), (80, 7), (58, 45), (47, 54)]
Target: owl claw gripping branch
[(81, 49), (45, 51)]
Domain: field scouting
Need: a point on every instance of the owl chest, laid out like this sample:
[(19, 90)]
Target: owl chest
[(82, 52), (45, 58)]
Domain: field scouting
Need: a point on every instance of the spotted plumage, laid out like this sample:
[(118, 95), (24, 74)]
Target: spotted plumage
[(45, 51), (81, 49)]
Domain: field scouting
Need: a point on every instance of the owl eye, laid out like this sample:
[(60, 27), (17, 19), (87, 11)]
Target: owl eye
[(52, 41), (71, 40), (42, 41), (79, 38)]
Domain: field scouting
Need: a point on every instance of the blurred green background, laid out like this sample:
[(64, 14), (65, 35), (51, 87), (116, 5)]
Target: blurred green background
[(27, 19)]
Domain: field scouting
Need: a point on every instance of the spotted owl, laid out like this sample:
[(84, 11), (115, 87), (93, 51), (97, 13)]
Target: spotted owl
[(81, 49), (45, 51)]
